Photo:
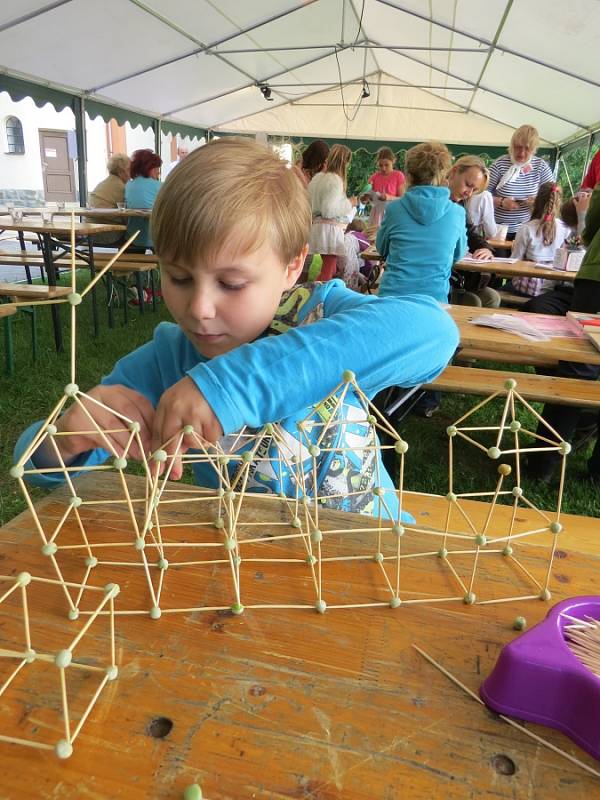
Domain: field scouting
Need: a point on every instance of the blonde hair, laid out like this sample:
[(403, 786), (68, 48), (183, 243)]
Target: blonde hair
[(118, 163), (464, 163), (231, 191), (338, 161), (526, 135), (385, 153), (428, 164), (546, 208)]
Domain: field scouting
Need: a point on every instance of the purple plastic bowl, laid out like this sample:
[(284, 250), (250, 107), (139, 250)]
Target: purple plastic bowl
[(538, 678)]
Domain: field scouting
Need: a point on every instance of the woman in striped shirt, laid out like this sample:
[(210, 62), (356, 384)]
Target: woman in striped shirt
[(516, 178)]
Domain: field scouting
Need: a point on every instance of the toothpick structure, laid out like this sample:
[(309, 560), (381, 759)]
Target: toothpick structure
[(30, 658), (331, 461)]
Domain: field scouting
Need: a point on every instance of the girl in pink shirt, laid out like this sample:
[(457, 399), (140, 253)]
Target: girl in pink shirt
[(387, 184)]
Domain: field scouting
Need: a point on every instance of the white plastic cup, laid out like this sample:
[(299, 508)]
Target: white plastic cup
[(46, 216)]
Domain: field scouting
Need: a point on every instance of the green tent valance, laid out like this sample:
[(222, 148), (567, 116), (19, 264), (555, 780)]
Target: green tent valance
[(372, 146), (177, 128), (19, 89), (120, 115)]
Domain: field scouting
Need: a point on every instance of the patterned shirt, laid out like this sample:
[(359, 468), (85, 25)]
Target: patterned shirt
[(526, 184)]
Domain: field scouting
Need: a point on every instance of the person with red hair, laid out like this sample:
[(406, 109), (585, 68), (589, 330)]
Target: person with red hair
[(141, 192)]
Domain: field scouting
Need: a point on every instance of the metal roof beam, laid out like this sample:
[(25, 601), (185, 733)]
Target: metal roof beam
[(491, 50), (33, 14), (494, 91), (254, 83), (198, 50), (502, 48)]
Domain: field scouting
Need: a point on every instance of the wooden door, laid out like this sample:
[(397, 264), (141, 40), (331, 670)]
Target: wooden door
[(57, 167)]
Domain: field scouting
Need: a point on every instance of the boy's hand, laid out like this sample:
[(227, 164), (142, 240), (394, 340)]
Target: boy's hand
[(183, 404), (120, 399), (483, 254)]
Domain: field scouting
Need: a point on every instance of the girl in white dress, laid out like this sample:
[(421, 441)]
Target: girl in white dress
[(331, 210)]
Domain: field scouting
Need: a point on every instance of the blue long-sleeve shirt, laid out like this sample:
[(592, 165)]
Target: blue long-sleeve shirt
[(421, 236), (319, 331), (141, 193)]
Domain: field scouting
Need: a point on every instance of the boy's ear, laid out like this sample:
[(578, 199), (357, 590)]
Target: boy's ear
[(294, 268)]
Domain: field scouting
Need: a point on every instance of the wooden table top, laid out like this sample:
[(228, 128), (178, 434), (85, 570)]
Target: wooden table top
[(291, 703), (501, 244), (497, 341), (7, 310), (35, 225), (145, 213), (518, 269)]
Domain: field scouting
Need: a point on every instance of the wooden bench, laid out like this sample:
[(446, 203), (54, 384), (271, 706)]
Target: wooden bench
[(512, 300), (545, 388), (6, 311), (22, 292), (122, 270)]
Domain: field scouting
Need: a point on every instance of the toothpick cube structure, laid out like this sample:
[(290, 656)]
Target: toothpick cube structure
[(44, 687)]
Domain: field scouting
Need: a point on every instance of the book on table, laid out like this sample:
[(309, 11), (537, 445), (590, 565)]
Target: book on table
[(590, 323)]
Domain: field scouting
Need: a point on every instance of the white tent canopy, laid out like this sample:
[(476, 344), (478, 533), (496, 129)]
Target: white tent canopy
[(462, 71)]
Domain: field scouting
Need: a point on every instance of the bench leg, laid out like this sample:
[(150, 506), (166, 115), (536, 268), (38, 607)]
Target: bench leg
[(93, 292), (34, 333), (52, 274), (140, 288), (8, 346), (152, 288), (110, 291)]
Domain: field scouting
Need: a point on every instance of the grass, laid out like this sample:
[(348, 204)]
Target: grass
[(31, 392)]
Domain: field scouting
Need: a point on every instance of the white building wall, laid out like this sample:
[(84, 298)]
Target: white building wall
[(24, 172)]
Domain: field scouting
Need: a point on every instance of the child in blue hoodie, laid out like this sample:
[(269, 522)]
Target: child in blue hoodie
[(423, 233)]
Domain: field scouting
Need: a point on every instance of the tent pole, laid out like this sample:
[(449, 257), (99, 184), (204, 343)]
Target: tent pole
[(157, 128), (80, 135)]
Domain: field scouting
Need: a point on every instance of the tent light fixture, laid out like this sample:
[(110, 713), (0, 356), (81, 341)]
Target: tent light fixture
[(366, 91), (265, 91)]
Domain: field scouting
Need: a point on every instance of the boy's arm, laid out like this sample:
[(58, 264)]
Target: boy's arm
[(384, 341), (149, 370)]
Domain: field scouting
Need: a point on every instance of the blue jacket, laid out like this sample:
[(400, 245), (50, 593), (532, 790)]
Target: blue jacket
[(141, 193), (422, 234), (319, 331)]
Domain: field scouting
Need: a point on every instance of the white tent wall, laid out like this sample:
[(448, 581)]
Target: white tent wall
[(475, 70)]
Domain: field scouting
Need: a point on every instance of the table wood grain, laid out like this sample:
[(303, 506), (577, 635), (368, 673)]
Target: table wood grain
[(505, 344), (294, 704)]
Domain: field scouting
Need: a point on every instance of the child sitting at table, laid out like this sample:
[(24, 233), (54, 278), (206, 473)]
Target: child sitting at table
[(247, 347), (424, 232), (386, 184), (538, 239)]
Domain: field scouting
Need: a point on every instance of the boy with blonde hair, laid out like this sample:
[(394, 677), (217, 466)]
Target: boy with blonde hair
[(248, 347)]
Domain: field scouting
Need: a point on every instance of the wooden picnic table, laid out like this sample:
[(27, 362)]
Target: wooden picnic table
[(501, 244), (84, 247), (503, 343), (291, 703), (516, 269)]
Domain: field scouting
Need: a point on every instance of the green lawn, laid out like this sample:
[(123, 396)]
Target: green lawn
[(34, 388)]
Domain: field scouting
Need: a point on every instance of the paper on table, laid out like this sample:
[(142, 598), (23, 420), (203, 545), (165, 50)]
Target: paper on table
[(469, 257), (512, 324)]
